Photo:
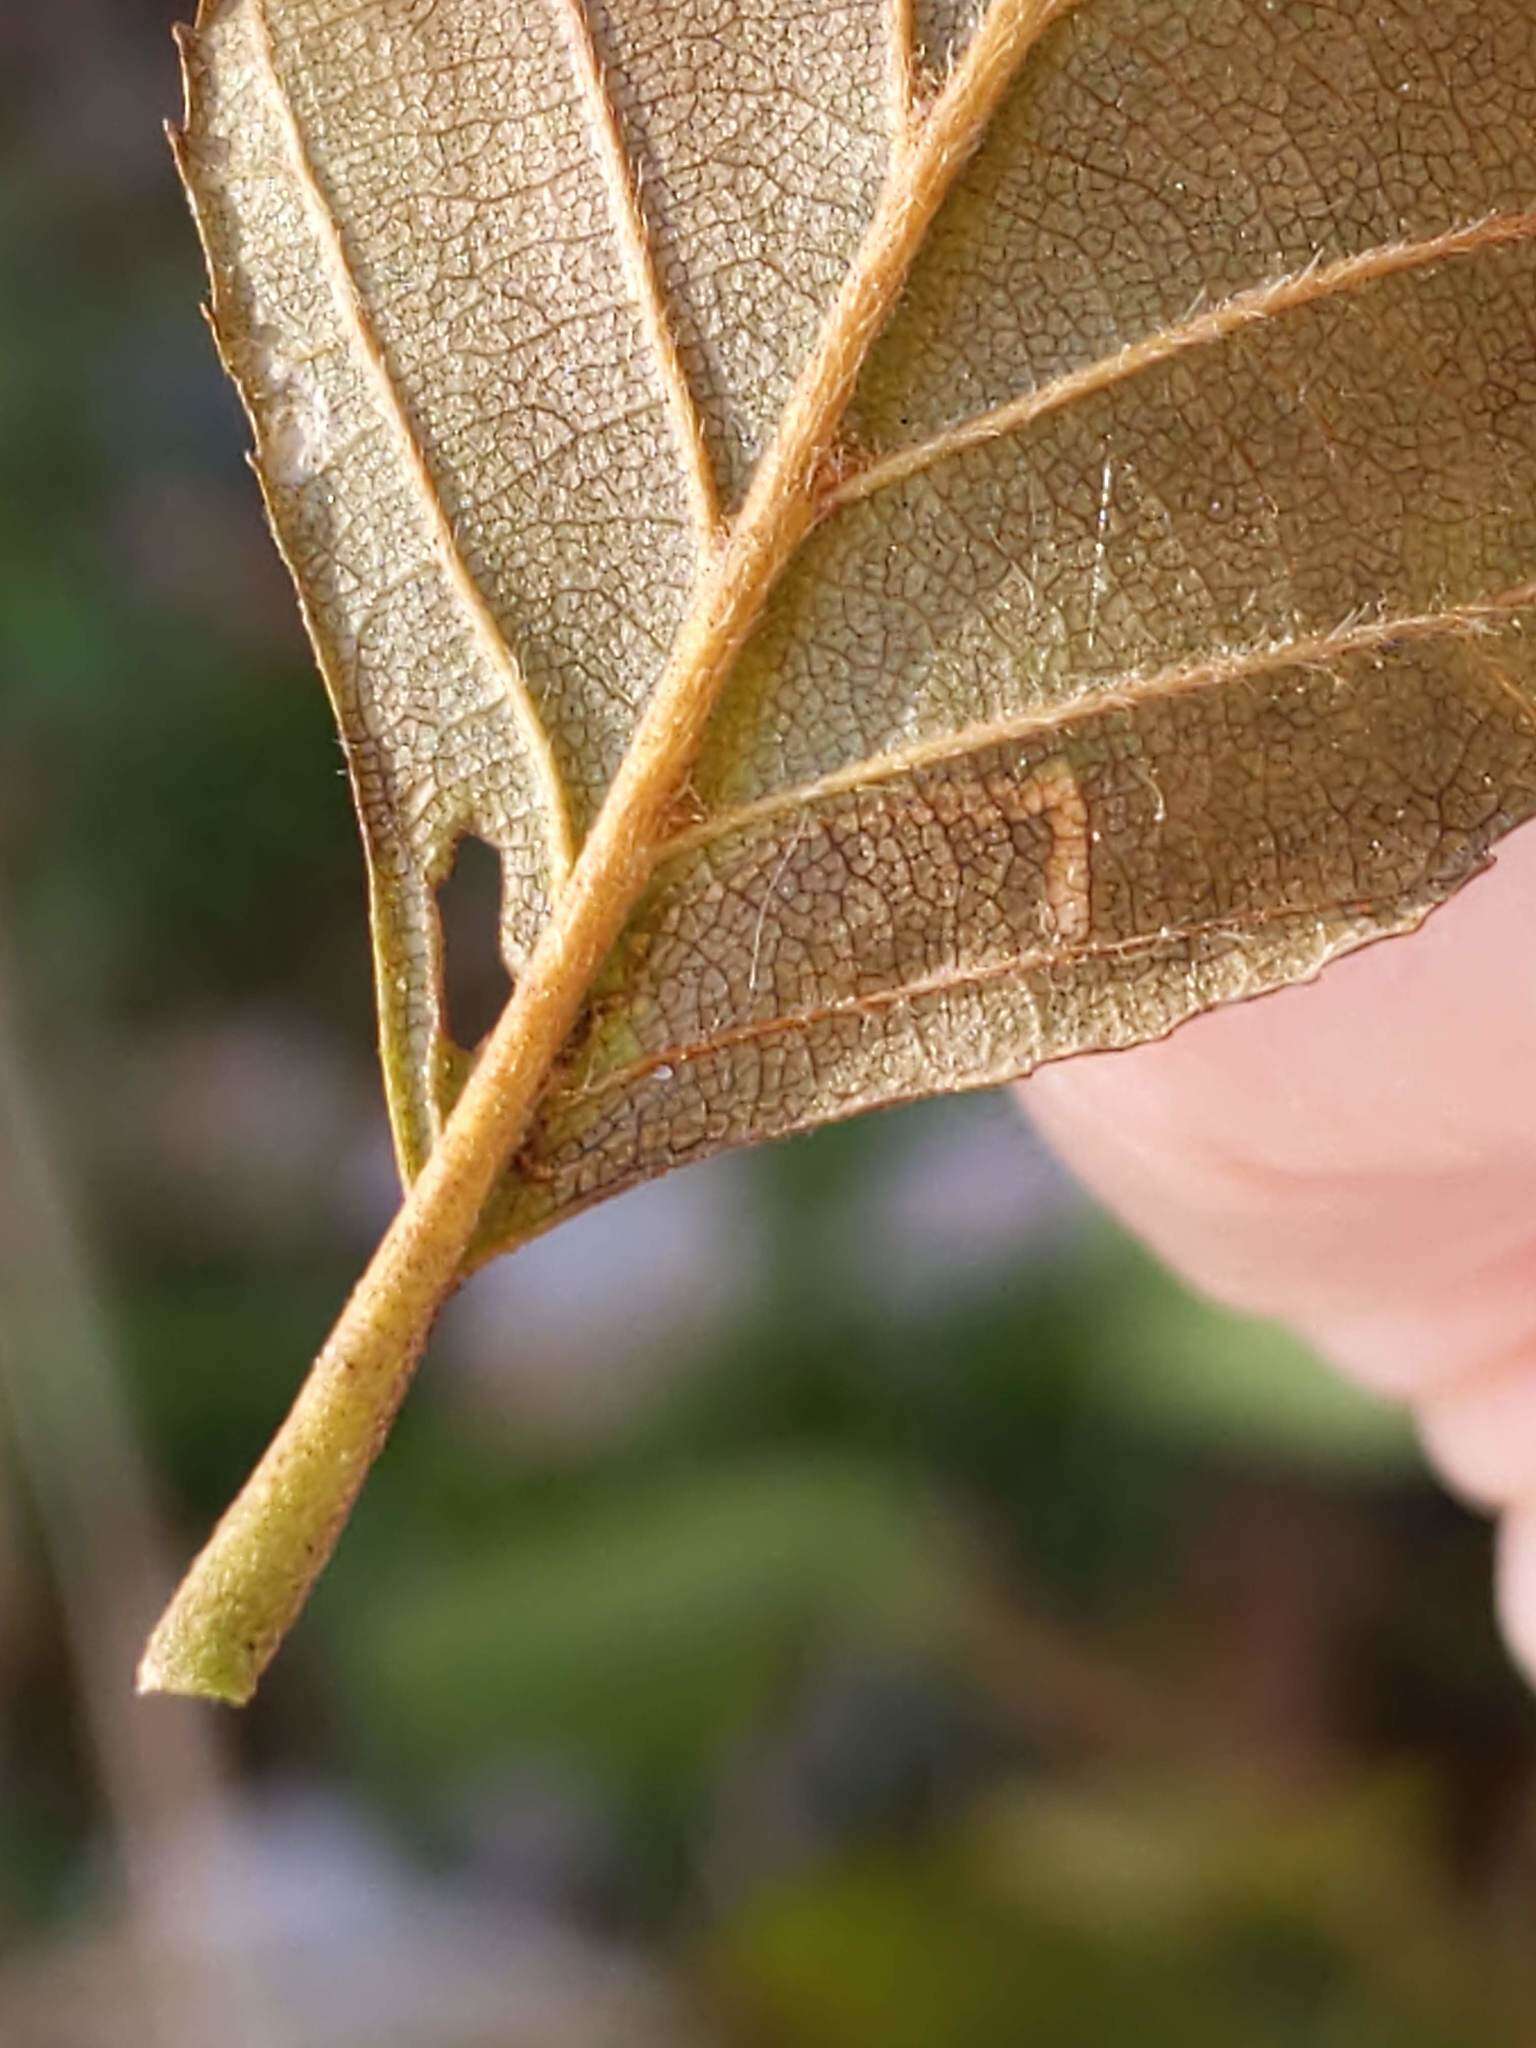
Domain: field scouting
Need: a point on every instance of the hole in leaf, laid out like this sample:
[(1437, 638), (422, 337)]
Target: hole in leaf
[(475, 980)]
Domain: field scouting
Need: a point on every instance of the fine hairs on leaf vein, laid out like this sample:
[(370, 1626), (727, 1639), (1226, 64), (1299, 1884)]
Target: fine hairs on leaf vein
[(916, 555)]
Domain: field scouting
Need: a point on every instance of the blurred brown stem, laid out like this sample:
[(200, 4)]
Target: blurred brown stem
[(159, 1768)]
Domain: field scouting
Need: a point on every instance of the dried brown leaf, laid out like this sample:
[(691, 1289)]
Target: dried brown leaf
[(929, 539)]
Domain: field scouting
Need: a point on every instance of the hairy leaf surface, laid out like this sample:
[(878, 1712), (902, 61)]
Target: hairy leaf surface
[(1159, 625)]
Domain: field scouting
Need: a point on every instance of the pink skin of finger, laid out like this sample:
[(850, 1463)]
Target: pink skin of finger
[(1358, 1158)]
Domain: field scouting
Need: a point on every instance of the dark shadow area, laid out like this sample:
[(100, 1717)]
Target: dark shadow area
[(475, 979)]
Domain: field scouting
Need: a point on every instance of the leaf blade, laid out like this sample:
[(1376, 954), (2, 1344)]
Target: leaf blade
[(252, 1577)]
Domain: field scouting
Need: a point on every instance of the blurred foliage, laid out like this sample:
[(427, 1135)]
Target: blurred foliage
[(988, 1647), (681, 1603), (1200, 1917)]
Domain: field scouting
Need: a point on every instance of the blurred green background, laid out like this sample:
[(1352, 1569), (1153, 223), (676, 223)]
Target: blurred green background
[(841, 1596)]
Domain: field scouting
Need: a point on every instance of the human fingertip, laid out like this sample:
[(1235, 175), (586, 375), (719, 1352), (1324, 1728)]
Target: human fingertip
[(1480, 1433), (1516, 1581)]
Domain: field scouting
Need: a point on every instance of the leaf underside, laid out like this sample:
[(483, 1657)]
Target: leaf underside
[(1165, 625)]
